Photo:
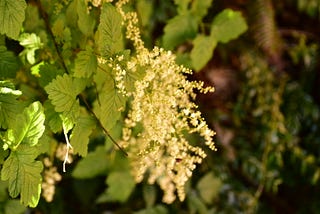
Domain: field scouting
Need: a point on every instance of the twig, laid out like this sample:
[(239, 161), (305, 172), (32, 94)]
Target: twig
[(100, 124), (48, 27), (47, 23)]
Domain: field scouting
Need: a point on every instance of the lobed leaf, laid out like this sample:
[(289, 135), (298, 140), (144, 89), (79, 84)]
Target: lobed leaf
[(80, 134), (9, 106), (27, 128), (86, 23), (63, 92), (52, 117), (12, 15), (48, 73), (110, 32), (111, 103), (85, 64), (24, 175)]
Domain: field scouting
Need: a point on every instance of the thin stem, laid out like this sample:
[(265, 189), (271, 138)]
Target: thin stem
[(45, 17), (48, 27), (101, 125)]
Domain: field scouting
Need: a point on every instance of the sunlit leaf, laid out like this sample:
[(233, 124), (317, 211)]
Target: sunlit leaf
[(9, 106), (31, 42), (228, 25), (202, 51), (85, 64), (110, 34), (23, 173), (12, 14), (52, 117), (200, 8), (63, 93), (80, 134), (110, 103), (27, 128)]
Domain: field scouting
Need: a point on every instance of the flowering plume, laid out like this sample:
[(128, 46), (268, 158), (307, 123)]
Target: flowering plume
[(161, 105)]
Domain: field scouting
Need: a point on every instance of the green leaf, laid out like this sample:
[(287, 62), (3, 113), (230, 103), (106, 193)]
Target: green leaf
[(110, 104), (149, 195), (24, 175), (9, 63), (9, 106), (85, 64), (52, 117), (208, 187), (3, 191), (132, 76), (80, 134), (228, 25), (86, 23), (3, 155), (145, 9), (48, 73), (35, 69), (32, 22), (110, 33), (94, 164), (158, 209), (202, 51), (14, 207), (60, 30), (182, 6), (120, 186), (12, 14), (178, 30), (28, 127), (199, 8), (196, 205), (63, 92)]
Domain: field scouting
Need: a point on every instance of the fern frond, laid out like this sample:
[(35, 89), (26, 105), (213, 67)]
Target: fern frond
[(264, 27)]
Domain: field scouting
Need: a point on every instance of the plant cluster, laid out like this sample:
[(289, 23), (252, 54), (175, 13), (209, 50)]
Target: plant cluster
[(85, 82), (107, 106)]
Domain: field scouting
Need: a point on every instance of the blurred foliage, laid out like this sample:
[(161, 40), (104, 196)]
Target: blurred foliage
[(267, 120)]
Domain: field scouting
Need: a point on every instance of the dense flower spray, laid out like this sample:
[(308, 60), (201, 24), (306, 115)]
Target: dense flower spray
[(163, 109)]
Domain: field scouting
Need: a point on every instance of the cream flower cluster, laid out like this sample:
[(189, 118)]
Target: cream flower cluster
[(161, 105), (161, 117)]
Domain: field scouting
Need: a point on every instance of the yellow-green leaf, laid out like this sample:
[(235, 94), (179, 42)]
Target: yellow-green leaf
[(24, 175), (12, 14)]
